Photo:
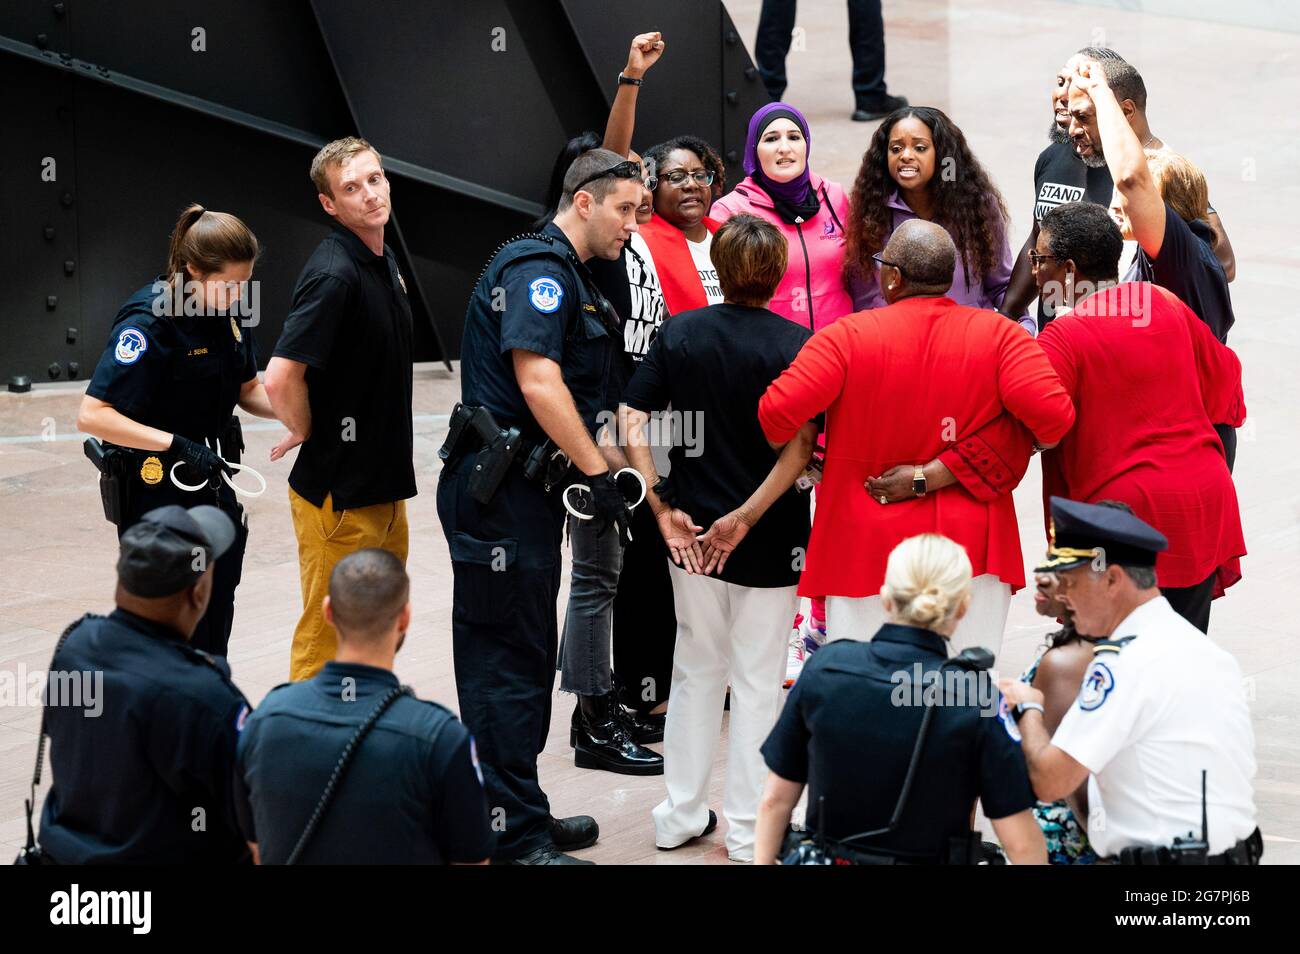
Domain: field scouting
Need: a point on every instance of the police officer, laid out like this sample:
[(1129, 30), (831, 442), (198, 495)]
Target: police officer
[(410, 791), (536, 352), (1160, 730), (922, 718), (180, 356), (142, 725)]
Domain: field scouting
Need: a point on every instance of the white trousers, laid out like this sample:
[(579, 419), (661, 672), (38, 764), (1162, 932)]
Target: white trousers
[(725, 633), (990, 601)]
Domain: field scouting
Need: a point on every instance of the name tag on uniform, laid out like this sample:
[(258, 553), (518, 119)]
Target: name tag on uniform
[(588, 307), (195, 352)]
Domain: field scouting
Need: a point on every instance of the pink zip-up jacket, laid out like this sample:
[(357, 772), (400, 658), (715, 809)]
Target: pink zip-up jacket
[(812, 291)]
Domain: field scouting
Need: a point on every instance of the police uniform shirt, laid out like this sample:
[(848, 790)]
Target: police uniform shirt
[(351, 325), (849, 727), (538, 304), (142, 771), (179, 373), (1147, 720), (413, 793)]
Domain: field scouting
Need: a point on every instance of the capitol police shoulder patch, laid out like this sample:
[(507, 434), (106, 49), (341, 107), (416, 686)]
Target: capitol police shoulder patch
[(545, 293), (131, 343), (1008, 719), (1098, 682)]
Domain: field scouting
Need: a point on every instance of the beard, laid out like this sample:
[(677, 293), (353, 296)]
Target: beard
[(1056, 135), (1094, 159)]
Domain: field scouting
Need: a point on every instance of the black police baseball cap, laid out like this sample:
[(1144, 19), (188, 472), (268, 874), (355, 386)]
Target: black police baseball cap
[(1083, 532), (169, 548)]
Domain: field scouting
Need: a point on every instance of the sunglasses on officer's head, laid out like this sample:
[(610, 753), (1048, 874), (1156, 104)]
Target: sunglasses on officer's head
[(624, 170)]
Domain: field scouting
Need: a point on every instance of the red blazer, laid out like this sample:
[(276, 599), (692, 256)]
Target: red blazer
[(1149, 378), (900, 384), (678, 276)]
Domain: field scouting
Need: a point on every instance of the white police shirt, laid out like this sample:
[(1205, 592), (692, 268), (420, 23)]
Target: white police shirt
[(1147, 720)]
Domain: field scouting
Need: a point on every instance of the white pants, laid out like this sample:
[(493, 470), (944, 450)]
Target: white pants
[(990, 601), (724, 632)]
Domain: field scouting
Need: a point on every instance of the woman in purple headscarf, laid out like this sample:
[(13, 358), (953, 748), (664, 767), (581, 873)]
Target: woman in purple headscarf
[(810, 212)]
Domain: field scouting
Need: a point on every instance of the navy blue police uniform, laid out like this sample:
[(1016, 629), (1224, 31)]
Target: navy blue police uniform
[(181, 374), (854, 698), (412, 792), (143, 760), (535, 295)]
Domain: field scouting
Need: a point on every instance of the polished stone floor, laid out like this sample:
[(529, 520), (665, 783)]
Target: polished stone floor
[(1219, 92)]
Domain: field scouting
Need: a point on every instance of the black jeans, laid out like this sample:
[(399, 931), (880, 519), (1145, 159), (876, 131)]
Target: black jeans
[(1192, 602), (585, 651), (866, 42), (505, 560)]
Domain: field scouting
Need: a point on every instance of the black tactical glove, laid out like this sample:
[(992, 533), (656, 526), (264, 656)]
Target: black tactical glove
[(201, 458), (609, 507)]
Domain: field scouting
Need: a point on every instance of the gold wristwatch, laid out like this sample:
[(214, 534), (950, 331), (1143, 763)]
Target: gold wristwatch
[(918, 481)]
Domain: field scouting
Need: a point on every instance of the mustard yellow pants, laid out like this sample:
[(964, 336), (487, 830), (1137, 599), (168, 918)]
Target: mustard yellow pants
[(326, 536)]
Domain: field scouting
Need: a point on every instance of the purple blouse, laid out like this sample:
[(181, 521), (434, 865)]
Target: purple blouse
[(987, 293)]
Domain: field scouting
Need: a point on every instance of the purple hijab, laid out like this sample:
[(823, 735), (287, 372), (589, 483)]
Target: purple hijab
[(795, 191)]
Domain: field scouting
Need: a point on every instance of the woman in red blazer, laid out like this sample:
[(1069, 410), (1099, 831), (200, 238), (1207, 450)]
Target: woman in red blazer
[(899, 385), (679, 234)]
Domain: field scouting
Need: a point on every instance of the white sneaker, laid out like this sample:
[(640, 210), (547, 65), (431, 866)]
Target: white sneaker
[(794, 659)]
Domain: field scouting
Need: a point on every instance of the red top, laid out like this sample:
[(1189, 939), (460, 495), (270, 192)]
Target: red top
[(1148, 378), (899, 385), (674, 266)]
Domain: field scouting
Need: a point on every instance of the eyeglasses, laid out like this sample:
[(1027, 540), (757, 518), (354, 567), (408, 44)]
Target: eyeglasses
[(1035, 259), (624, 170), (880, 261), (679, 176)]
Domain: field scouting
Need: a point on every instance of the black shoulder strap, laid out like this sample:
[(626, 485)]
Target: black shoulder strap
[(1103, 646), (40, 737), (341, 766)]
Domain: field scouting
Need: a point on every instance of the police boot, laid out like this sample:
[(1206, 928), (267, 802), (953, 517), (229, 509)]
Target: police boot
[(601, 741)]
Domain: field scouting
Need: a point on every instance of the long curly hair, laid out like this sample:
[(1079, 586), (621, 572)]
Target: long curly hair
[(965, 200)]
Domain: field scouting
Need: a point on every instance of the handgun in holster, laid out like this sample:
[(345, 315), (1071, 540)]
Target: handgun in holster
[(499, 447), (114, 488)]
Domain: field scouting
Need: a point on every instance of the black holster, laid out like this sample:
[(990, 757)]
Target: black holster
[(114, 487), (232, 441), (472, 427)]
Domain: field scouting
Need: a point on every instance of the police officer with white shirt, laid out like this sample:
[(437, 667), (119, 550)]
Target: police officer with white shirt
[(1160, 731)]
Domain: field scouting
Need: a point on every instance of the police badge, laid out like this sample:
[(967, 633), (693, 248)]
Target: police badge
[(151, 471)]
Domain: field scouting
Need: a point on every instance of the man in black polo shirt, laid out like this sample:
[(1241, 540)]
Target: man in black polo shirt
[(340, 381), (142, 726), (411, 792)]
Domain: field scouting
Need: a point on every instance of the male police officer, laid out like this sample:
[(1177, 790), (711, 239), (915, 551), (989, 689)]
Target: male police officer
[(411, 792), (143, 776), (1160, 729), (539, 339)]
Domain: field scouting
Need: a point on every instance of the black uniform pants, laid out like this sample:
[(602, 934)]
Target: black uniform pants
[(505, 559), (645, 621), (866, 42), (212, 635), (1192, 602)]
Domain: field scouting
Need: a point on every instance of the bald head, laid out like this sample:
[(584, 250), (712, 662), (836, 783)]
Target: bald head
[(925, 255)]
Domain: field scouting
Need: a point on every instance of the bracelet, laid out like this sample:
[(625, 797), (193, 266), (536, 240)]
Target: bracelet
[(628, 80), (1024, 707)]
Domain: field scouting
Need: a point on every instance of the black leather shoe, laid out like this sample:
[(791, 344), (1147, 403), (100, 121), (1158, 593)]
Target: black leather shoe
[(708, 829), (601, 740), (574, 833), (879, 109), (549, 855), (643, 727)]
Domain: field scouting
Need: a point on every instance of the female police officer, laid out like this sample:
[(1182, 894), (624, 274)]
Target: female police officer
[(850, 726), (177, 363)]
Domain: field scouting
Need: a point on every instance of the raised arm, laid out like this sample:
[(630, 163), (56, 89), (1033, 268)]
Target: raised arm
[(645, 52), (1126, 158)]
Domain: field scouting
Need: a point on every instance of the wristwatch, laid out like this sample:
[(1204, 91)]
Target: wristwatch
[(918, 481), (1024, 707), (628, 80)]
